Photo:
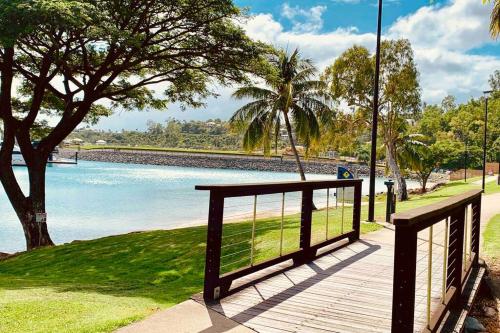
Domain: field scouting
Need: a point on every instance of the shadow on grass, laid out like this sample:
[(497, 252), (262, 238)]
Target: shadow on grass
[(166, 266)]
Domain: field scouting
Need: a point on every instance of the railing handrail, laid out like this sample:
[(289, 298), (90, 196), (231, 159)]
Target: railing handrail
[(217, 285), (459, 256), (415, 216), (247, 189)]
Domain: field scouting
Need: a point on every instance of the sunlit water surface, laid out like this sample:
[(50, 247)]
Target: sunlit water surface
[(95, 199)]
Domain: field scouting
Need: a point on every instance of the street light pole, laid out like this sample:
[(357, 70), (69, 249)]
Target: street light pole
[(373, 157), (486, 93)]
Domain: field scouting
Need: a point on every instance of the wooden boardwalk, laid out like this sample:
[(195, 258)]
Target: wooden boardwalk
[(347, 290)]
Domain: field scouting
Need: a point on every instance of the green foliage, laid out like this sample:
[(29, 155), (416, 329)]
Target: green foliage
[(363, 153), (211, 134), (290, 92), (77, 56), (351, 79)]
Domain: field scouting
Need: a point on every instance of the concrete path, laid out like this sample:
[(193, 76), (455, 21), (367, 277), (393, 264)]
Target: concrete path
[(193, 317), (490, 206), (488, 179), (186, 317)]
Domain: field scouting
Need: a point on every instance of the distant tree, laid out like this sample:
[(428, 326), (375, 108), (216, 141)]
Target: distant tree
[(172, 134), (79, 60), (449, 103), (363, 153), (431, 123), (351, 78), (421, 158), (494, 81), (290, 92)]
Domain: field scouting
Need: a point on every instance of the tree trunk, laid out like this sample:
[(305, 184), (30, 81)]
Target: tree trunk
[(36, 234), (396, 172), (424, 179), (295, 152), (294, 149)]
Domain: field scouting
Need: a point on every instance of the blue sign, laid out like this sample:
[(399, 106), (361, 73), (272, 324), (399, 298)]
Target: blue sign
[(343, 173)]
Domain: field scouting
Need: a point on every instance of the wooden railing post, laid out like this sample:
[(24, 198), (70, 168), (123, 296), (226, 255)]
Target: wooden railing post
[(476, 229), (306, 224), (405, 266), (212, 288), (356, 212), (455, 252)]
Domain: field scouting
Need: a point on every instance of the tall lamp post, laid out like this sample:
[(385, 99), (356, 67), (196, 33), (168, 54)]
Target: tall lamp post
[(373, 157), (486, 93)]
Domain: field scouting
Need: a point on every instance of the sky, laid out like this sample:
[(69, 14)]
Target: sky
[(453, 50)]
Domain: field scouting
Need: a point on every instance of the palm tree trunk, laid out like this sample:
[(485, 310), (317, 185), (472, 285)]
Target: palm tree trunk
[(295, 153), (396, 172), (294, 149)]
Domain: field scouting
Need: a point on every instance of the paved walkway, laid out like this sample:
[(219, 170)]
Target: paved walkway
[(490, 206), (282, 296), (488, 179)]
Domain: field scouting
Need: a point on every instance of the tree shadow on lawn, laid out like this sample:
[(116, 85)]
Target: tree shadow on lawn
[(166, 266)]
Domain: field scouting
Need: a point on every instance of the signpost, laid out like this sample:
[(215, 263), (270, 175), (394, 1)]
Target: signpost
[(345, 194), (41, 217)]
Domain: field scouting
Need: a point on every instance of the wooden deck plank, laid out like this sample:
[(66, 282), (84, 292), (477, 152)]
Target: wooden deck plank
[(349, 290)]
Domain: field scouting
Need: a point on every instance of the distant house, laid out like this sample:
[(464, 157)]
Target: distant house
[(100, 142), (77, 141)]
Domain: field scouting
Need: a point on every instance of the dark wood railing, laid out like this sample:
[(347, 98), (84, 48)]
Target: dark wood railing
[(217, 285), (460, 253)]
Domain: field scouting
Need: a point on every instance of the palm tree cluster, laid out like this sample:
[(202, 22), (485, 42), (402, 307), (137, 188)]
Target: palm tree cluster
[(288, 93)]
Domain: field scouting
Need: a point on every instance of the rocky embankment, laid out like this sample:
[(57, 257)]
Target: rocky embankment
[(219, 161)]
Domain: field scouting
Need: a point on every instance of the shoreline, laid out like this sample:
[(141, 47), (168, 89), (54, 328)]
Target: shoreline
[(223, 161)]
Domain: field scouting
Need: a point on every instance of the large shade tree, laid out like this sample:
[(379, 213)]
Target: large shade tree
[(290, 93), (77, 60), (351, 78)]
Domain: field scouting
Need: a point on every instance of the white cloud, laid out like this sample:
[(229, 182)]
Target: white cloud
[(441, 37), (323, 48), (304, 20), (461, 25)]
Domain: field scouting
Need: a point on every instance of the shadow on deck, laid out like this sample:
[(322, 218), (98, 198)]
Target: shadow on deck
[(407, 277)]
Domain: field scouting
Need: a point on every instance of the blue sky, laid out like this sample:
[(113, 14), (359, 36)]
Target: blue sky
[(453, 50), (361, 14)]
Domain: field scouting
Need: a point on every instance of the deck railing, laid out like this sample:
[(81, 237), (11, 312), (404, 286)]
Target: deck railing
[(459, 220), (331, 224)]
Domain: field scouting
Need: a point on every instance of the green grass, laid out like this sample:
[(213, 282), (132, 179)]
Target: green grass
[(103, 284), (491, 239)]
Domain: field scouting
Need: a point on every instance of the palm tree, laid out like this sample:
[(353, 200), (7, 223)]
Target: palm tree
[(413, 154), (290, 93), (495, 18)]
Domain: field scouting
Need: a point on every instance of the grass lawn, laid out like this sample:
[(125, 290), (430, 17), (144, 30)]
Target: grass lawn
[(100, 285), (491, 239)]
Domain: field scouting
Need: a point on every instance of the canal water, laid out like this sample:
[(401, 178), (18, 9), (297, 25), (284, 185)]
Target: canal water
[(95, 199)]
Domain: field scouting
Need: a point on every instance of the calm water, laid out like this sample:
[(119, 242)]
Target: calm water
[(95, 199)]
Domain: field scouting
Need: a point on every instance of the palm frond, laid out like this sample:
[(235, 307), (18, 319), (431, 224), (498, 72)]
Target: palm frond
[(253, 92), (306, 124), (249, 111)]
